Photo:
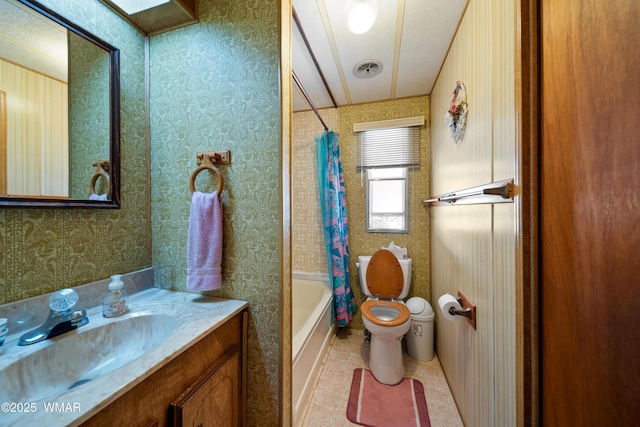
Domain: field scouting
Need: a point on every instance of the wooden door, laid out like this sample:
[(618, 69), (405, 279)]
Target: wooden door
[(590, 213)]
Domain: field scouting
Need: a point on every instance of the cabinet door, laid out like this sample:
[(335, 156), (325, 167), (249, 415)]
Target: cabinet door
[(214, 400)]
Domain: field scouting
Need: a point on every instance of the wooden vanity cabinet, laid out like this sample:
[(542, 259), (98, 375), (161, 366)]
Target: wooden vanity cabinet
[(211, 401), (205, 385)]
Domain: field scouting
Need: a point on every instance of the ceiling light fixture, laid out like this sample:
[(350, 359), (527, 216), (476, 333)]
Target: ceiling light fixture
[(135, 6), (361, 15)]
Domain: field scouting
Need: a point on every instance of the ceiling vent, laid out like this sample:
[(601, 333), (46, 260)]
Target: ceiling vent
[(368, 68)]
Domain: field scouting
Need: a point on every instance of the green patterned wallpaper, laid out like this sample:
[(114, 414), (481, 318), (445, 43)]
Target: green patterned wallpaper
[(88, 101), (215, 86), (42, 250), (363, 243)]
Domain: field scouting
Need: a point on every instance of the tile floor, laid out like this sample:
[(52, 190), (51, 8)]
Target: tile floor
[(328, 403)]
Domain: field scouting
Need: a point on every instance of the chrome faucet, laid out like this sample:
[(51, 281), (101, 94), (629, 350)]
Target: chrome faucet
[(62, 318)]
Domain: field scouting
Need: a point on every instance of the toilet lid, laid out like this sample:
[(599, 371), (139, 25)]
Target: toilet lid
[(384, 275)]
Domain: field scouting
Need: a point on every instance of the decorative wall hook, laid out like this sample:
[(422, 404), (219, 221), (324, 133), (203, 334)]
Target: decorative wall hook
[(219, 157), (456, 117)]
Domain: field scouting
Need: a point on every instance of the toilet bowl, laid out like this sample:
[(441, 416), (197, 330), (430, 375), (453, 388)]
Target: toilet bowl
[(387, 325), (385, 280)]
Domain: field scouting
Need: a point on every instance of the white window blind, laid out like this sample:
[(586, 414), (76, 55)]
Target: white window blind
[(389, 146)]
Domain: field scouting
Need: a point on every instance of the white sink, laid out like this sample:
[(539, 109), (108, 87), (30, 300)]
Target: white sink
[(114, 355), (52, 367)]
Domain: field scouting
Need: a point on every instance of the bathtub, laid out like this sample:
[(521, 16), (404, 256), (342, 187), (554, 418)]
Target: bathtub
[(312, 330)]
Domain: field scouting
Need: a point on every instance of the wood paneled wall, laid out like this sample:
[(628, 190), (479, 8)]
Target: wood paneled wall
[(37, 132), (3, 143), (473, 246)]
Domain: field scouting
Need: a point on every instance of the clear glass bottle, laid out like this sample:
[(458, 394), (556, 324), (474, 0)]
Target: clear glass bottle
[(115, 300)]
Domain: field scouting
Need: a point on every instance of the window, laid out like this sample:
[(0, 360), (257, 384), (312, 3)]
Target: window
[(387, 200), (386, 151)]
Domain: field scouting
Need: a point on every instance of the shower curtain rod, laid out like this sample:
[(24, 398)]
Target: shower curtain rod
[(313, 57), (304, 92)]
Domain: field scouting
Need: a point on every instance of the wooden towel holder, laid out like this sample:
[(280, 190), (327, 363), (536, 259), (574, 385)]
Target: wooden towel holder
[(102, 170), (206, 160)]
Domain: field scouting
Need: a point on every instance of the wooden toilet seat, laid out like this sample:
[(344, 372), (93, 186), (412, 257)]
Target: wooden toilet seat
[(385, 280), (402, 317), (384, 275)]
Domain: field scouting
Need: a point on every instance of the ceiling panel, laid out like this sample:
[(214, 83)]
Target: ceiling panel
[(377, 43), (32, 40), (410, 38)]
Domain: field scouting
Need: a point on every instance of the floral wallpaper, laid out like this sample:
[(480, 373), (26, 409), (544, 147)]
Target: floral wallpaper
[(42, 250), (89, 134), (215, 86), (417, 240), (307, 237), (308, 251)]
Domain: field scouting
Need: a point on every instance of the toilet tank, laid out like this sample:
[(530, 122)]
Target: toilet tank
[(405, 265)]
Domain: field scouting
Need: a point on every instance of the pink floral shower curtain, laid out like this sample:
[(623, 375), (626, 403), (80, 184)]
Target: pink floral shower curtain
[(333, 201)]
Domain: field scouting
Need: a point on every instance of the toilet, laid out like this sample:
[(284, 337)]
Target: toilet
[(385, 280)]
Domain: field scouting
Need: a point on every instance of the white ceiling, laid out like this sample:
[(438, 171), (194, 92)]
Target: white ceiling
[(410, 38), (32, 40)]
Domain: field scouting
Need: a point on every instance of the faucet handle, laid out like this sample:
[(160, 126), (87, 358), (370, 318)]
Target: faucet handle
[(63, 300)]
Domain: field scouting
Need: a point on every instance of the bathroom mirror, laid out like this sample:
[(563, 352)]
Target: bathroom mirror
[(59, 112)]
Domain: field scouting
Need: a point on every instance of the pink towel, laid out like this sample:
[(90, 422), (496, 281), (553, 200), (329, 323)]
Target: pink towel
[(204, 247)]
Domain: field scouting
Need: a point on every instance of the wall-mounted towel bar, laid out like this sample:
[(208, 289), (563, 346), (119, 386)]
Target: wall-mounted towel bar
[(494, 192), (205, 160)]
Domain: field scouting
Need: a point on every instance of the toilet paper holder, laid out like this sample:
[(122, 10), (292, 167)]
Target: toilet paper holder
[(468, 309), (454, 311)]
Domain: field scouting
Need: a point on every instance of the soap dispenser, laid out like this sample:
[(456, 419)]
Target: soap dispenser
[(115, 301)]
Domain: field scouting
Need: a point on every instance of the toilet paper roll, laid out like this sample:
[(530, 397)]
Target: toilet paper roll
[(447, 301)]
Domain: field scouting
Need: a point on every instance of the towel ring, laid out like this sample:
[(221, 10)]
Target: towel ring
[(206, 164), (102, 168)]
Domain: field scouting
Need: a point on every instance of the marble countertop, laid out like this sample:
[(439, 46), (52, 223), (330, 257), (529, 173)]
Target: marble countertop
[(196, 317)]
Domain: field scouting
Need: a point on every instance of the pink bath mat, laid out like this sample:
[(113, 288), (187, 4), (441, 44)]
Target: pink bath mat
[(379, 405)]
